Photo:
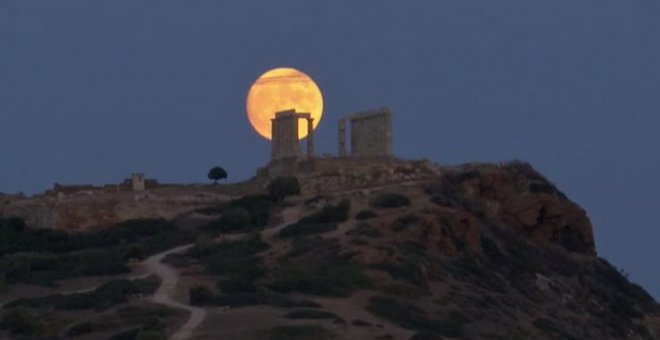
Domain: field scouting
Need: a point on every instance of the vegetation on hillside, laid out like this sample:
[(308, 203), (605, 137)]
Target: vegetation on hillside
[(447, 267), (390, 200), (320, 222), (284, 186), (244, 214), (45, 256), (101, 298)]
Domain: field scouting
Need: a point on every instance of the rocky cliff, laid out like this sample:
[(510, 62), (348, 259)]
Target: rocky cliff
[(388, 250)]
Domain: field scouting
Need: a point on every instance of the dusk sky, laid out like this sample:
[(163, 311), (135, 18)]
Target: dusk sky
[(92, 91)]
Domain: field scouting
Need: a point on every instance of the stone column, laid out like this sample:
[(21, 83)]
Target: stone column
[(275, 139), (284, 141), (342, 137), (310, 137)]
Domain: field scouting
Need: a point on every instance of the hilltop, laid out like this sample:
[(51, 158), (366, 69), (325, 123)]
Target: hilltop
[(378, 249)]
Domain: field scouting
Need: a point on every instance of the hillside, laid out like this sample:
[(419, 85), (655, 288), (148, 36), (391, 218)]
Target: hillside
[(480, 251)]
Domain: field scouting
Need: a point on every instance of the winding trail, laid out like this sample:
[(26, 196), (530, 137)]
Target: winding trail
[(170, 277), (164, 293)]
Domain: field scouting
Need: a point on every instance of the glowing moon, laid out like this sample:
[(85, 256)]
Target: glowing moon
[(282, 89)]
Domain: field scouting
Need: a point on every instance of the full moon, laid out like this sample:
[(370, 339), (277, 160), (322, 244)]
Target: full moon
[(283, 89)]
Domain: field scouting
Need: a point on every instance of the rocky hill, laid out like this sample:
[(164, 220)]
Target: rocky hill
[(479, 251)]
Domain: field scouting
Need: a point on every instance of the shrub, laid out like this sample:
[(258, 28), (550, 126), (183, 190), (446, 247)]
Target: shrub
[(337, 280), (491, 249), (237, 285), (44, 256), (200, 296), (442, 200), (284, 301), (14, 238), (20, 322), (403, 314), (359, 242), (141, 314), (315, 244), (4, 288), (364, 229), (243, 299), (240, 299), (80, 329), (402, 290), (426, 336), (134, 251), (390, 200), (239, 248), (312, 314), (298, 332), (608, 273), (409, 316), (408, 272), (329, 214), (405, 221), (281, 187), (234, 219), (258, 206), (246, 268), (360, 323), (236, 258), (365, 215), (296, 229), (320, 222), (103, 297), (130, 334), (552, 329), (105, 263), (151, 335)]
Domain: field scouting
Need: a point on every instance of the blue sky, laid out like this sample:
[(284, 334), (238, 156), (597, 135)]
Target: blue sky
[(92, 91)]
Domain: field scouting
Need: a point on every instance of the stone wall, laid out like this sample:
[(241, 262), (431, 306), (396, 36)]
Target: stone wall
[(127, 185), (285, 142), (75, 212), (371, 133), (328, 174)]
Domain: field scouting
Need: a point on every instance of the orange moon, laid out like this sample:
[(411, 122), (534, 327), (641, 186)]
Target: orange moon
[(283, 89)]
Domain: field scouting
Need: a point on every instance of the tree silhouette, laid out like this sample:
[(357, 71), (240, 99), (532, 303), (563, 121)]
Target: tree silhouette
[(283, 186), (217, 173)]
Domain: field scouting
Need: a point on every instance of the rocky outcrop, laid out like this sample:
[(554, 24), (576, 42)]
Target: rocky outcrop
[(515, 196), (78, 212), (335, 174)]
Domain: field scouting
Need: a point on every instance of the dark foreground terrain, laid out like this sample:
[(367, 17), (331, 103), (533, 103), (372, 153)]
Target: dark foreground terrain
[(477, 252)]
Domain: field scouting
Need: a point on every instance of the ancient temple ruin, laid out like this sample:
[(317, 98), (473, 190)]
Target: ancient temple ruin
[(285, 135), (371, 133)]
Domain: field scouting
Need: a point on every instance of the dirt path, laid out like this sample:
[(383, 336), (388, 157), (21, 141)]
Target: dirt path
[(170, 278), (289, 215), (164, 293)]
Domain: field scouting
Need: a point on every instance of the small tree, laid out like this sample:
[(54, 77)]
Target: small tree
[(135, 252), (20, 322), (284, 186), (217, 173), (200, 295)]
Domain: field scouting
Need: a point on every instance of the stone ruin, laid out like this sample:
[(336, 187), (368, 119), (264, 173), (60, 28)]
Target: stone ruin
[(285, 135), (137, 182), (370, 140), (371, 133)]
